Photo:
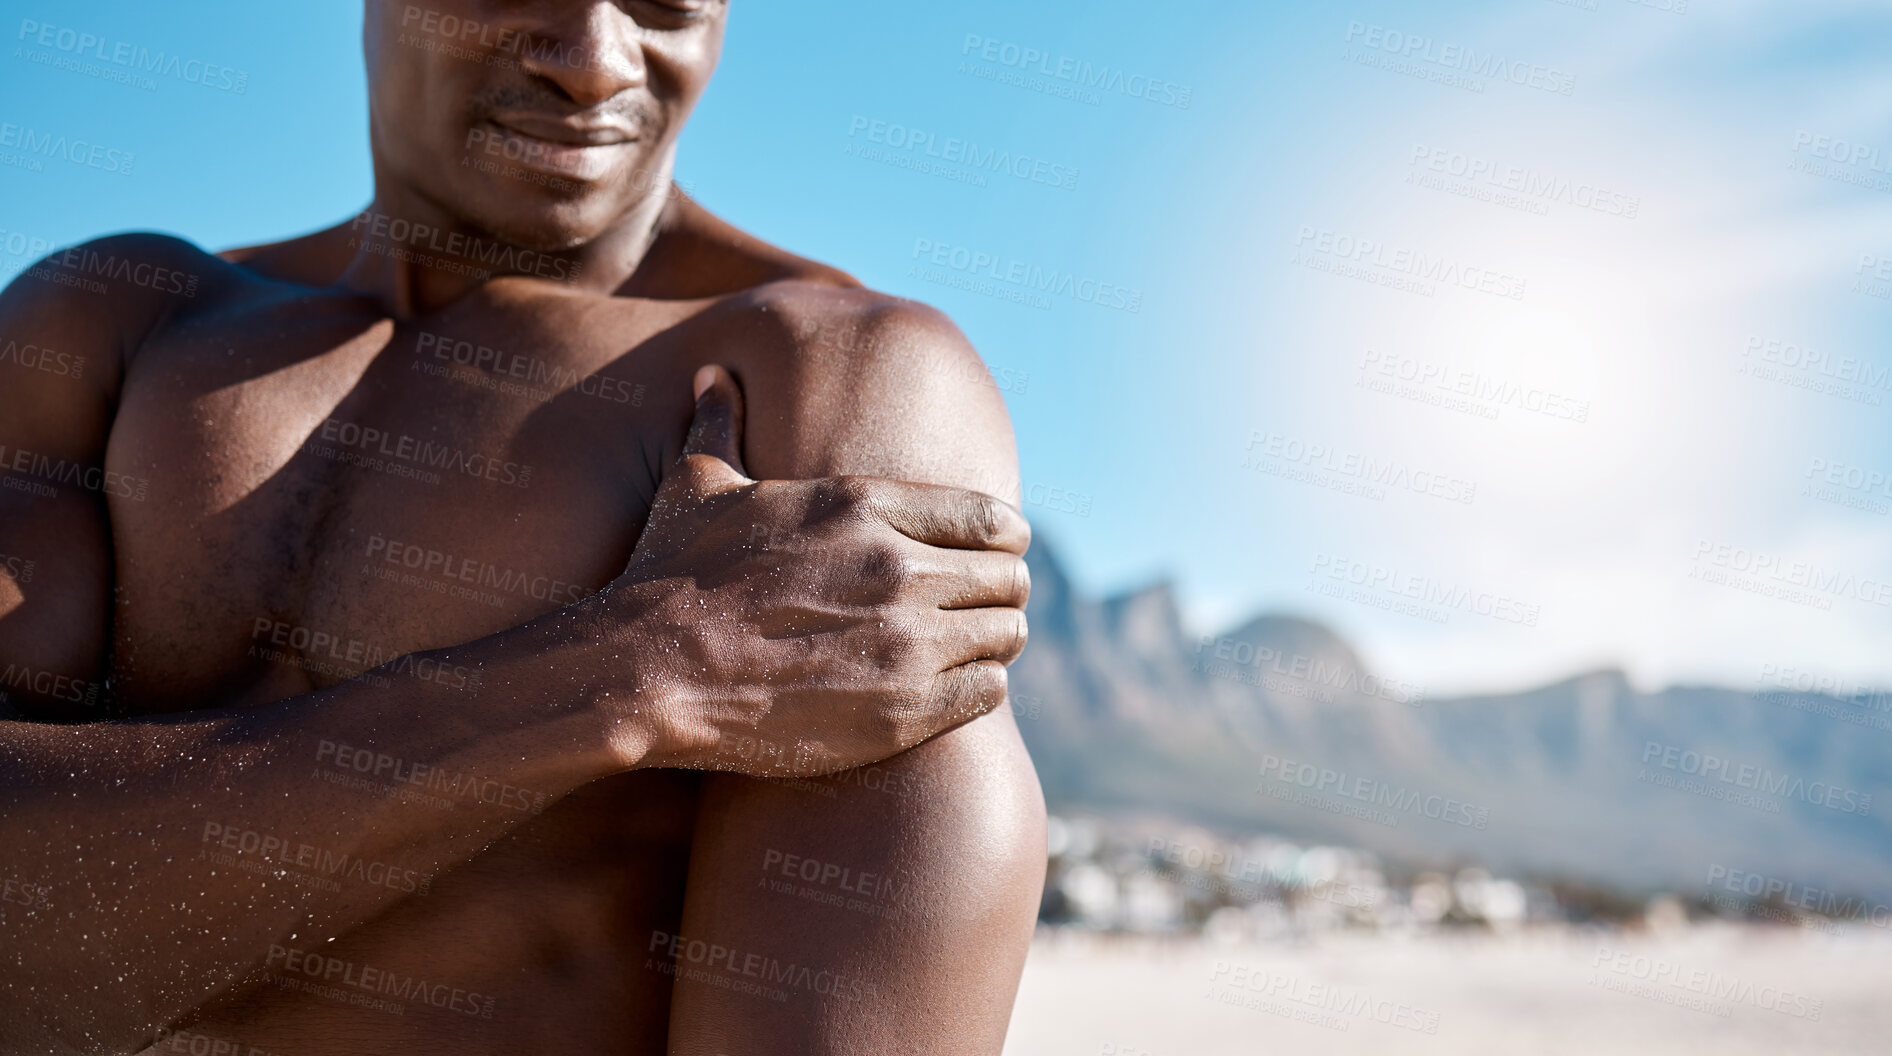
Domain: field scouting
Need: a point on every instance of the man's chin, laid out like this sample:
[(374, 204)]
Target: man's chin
[(549, 219), (542, 225)]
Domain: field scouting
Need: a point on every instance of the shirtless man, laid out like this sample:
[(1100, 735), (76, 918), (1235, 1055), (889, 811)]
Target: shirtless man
[(373, 636)]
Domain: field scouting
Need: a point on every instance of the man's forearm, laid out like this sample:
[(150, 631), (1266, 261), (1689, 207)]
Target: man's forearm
[(159, 860), (146, 868)]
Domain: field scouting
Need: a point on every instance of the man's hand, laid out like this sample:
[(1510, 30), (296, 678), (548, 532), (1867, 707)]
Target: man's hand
[(796, 628)]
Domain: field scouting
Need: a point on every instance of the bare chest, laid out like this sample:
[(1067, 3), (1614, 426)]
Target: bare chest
[(317, 492)]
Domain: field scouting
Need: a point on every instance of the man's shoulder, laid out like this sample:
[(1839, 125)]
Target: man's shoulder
[(814, 335), (860, 381), (132, 270), (154, 247), (101, 298), (823, 319)]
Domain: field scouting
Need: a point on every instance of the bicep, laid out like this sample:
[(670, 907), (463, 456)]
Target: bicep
[(886, 909), (883, 910), (58, 364)]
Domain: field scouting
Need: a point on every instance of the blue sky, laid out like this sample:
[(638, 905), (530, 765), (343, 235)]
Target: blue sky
[(1383, 261)]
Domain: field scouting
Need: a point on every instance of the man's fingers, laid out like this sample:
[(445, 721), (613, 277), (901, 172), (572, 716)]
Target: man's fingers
[(967, 636), (955, 518), (973, 579), (716, 430), (711, 462), (964, 693)]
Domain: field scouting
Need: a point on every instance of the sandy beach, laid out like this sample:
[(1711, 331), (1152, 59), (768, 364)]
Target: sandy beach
[(1725, 990)]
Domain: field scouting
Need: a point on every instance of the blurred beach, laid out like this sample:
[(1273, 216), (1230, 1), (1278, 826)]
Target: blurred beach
[(1726, 989)]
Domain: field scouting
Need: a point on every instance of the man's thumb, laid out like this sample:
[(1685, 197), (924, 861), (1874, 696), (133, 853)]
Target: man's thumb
[(716, 430)]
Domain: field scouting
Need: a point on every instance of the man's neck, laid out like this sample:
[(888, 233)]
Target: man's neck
[(416, 255)]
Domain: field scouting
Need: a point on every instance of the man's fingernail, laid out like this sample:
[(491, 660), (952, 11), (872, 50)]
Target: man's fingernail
[(705, 377)]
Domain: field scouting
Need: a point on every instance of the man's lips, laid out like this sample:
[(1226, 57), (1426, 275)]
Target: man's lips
[(560, 146), (570, 132)]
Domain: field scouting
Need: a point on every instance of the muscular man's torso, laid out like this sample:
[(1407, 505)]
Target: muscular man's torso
[(317, 489)]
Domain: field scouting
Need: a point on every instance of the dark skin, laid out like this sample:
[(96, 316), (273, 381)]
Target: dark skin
[(617, 638)]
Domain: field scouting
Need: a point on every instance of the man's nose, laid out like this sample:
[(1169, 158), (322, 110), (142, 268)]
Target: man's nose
[(594, 53)]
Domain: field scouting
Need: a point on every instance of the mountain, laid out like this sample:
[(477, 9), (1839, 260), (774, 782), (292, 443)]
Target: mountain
[(1278, 725)]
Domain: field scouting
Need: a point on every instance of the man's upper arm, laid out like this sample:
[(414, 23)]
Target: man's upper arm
[(887, 909), (61, 364)]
